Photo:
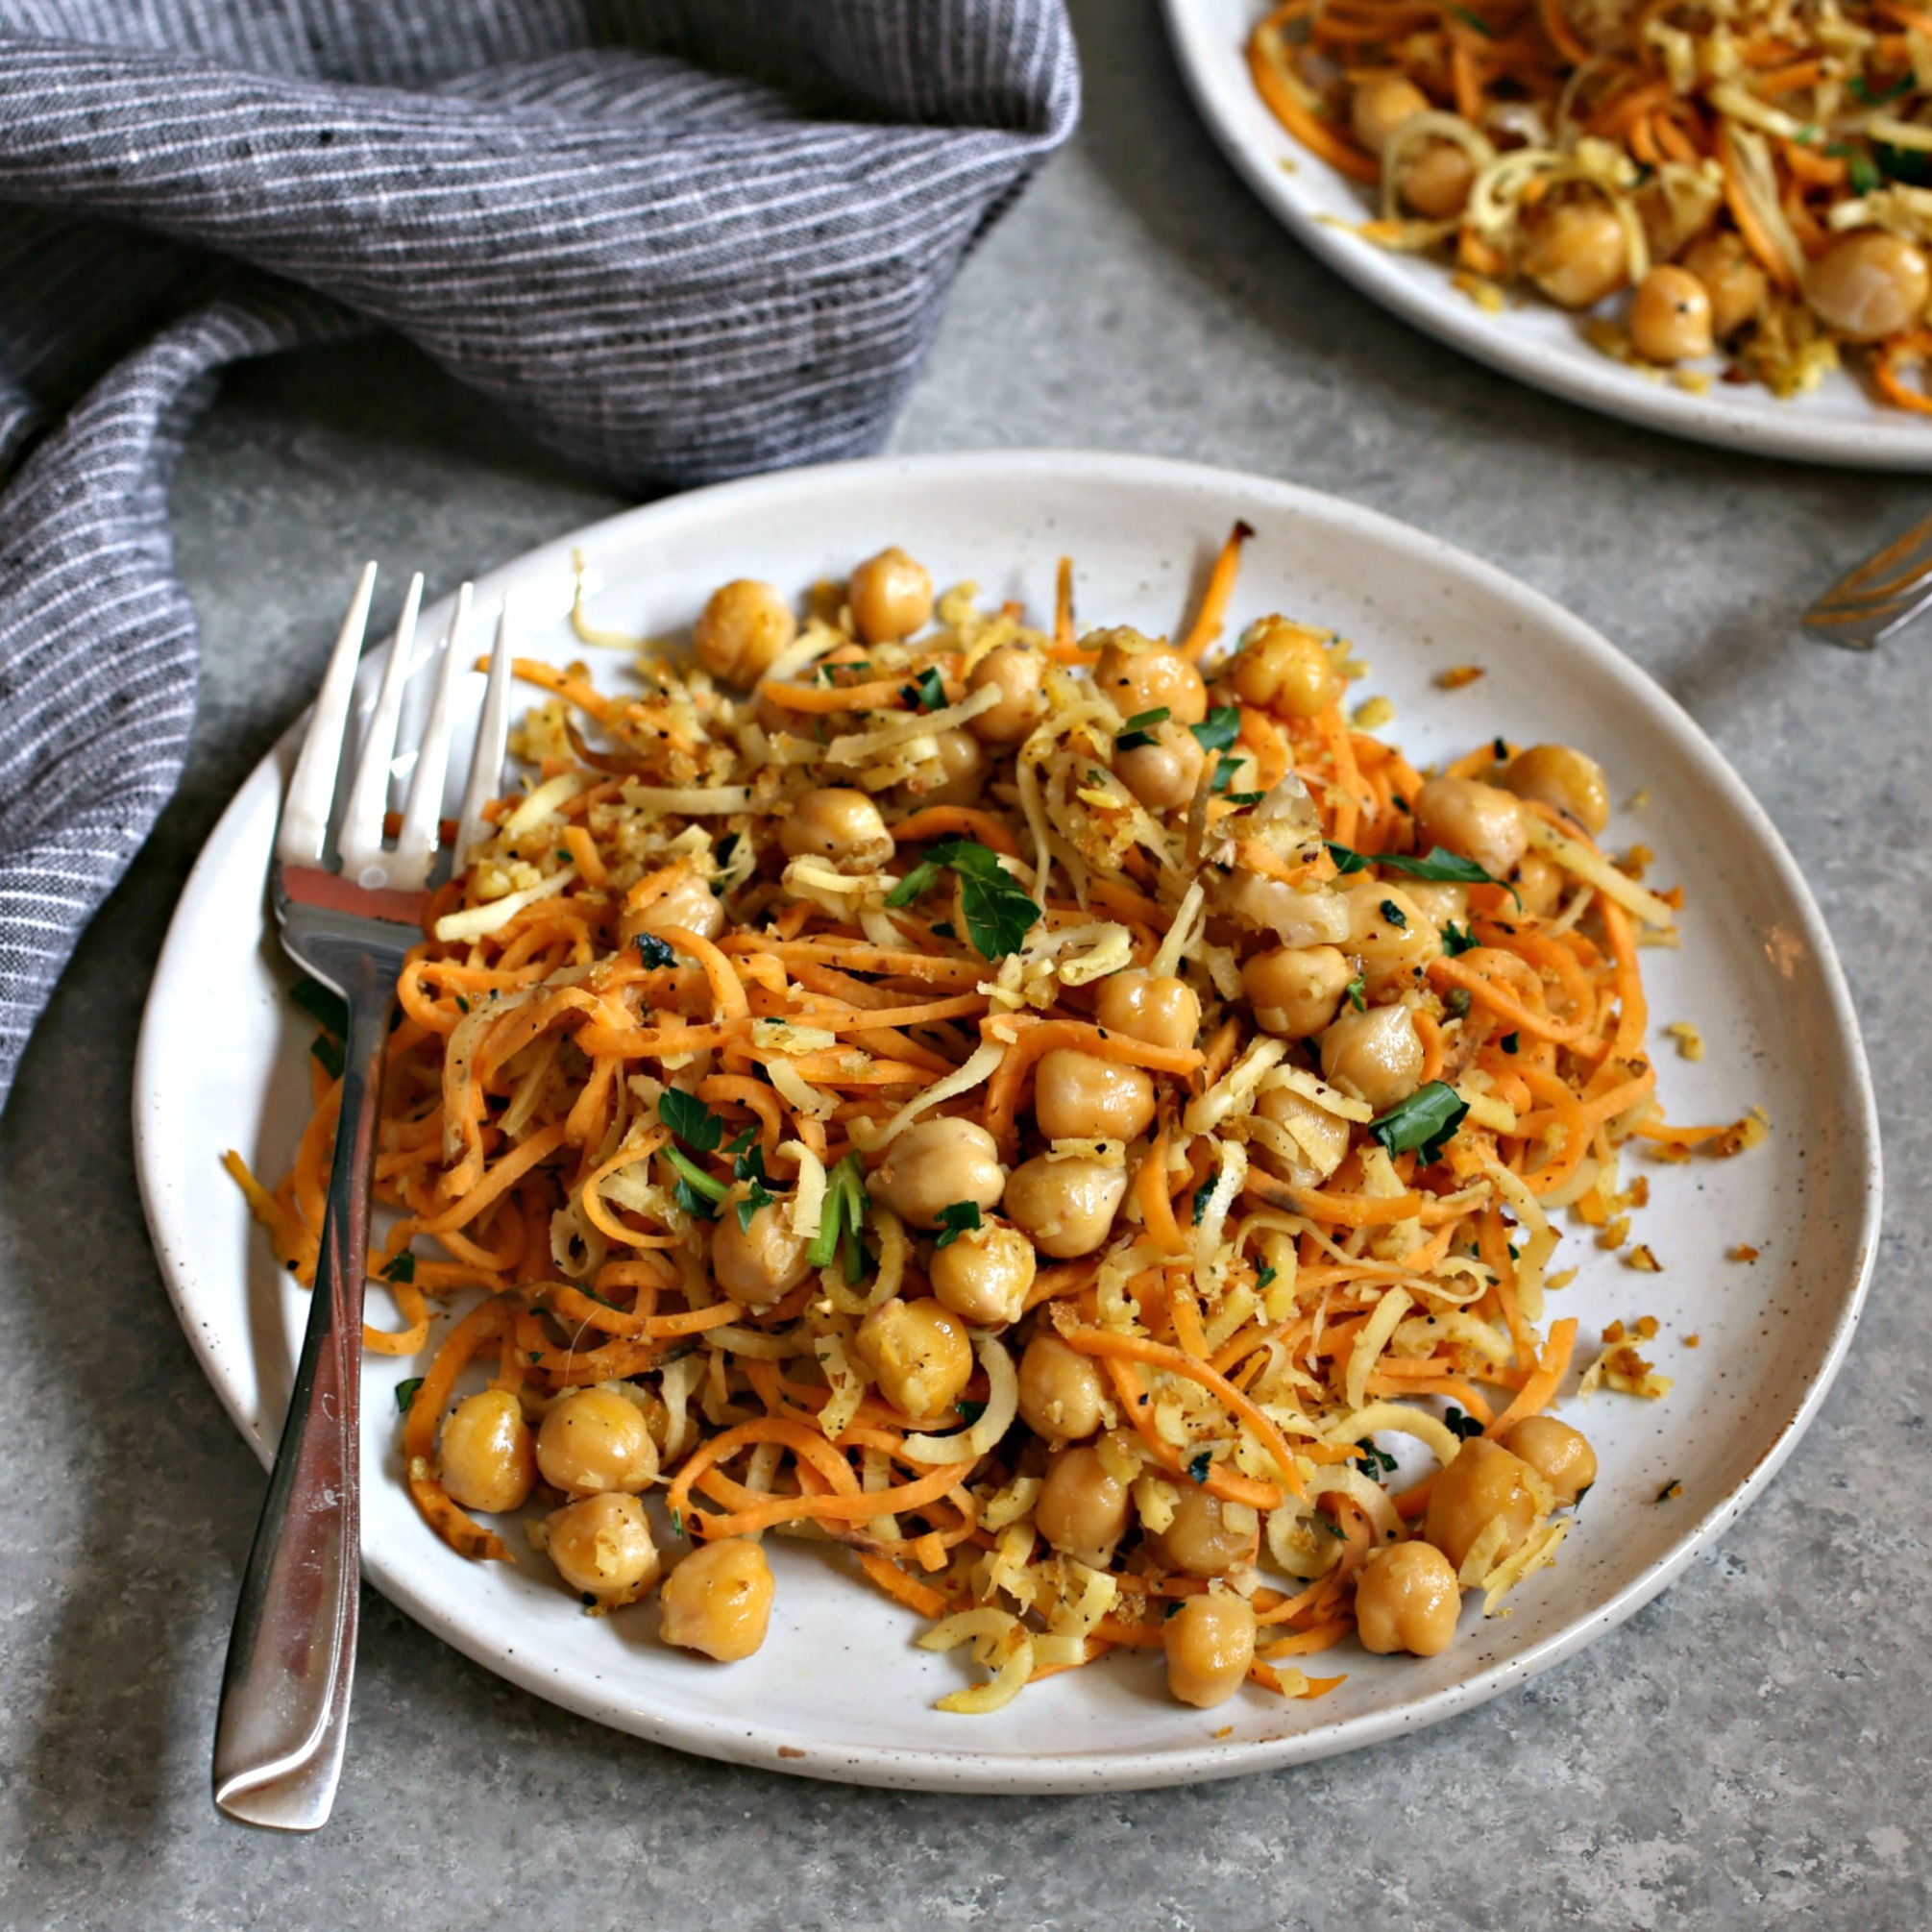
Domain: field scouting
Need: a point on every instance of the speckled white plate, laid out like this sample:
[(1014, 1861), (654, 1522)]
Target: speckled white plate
[(1533, 340), (839, 1691)]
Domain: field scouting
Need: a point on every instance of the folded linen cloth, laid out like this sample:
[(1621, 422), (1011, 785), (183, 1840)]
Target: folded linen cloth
[(679, 239)]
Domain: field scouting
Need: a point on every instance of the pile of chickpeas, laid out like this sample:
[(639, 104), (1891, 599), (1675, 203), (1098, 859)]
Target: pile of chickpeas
[(1301, 951), (1705, 287)]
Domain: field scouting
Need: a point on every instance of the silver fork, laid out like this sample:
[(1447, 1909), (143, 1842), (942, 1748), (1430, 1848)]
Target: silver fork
[(284, 1695), (1884, 594)]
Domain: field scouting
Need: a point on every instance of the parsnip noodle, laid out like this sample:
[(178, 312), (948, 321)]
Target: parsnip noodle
[(1758, 172), (727, 1144)]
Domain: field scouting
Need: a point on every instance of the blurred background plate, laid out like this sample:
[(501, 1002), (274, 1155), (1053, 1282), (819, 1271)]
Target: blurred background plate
[(839, 1691), (1532, 340)]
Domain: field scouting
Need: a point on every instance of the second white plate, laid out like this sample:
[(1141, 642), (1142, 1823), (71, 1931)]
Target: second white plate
[(1533, 339), (839, 1691)]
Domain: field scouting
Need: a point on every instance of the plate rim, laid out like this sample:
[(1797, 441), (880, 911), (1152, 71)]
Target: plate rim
[(1888, 442), (721, 1737)]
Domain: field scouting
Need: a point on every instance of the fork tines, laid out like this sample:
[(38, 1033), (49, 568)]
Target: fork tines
[(1886, 591), (302, 838)]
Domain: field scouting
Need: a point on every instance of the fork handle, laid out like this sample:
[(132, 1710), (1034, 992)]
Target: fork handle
[(291, 1654)]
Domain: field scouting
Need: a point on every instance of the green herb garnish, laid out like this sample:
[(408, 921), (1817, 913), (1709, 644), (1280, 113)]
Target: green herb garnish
[(655, 951), (998, 911), (1858, 84), (1220, 729), (1224, 774), (691, 1120), (1426, 1121), (842, 1213), (1456, 939), (1358, 993), (928, 693), (1511, 1042), (1373, 1461), (1460, 1425), (1475, 20), (330, 1010), (1264, 1278), (1138, 730), (748, 1209), (405, 1393), (961, 1218), (700, 1194), (970, 1412), (1199, 1466), (1394, 914), (400, 1267)]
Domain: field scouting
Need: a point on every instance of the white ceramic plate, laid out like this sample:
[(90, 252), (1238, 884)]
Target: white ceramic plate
[(839, 1691), (1533, 339)]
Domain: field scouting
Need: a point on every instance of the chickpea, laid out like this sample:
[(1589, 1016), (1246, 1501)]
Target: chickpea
[(761, 1263), (488, 1461), (1380, 105), (1577, 253), (1017, 671), (1152, 1007), (1321, 1138), (1732, 279), (1297, 915), (919, 1355), (1061, 1394), (1561, 1455), (1869, 285), (890, 596), (1082, 1507), (592, 1440), (1135, 674), (1436, 182), (1554, 774), (1375, 1055), (1671, 316), (1296, 991), (1407, 1599), (719, 1600), (1477, 820), (1483, 1483), (1207, 1537), (838, 823), (1165, 774), (1442, 900), (935, 1164), (1539, 884), (964, 761), (1391, 935), (1210, 1642), (1287, 667), (602, 1547), (983, 1277), (741, 630), (1079, 1096), (687, 903), (1066, 1207)]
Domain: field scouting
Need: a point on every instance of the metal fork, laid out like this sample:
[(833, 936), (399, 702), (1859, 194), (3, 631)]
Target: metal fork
[(1884, 594), (284, 1695)]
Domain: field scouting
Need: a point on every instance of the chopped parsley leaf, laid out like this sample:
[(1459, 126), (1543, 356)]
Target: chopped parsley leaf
[(748, 1209), (1424, 1123), (1220, 729), (1511, 1042), (1439, 866), (1200, 1207), (1456, 939), (961, 1218), (1460, 1425), (1198, 1466), (405, 1393), (698, 1193), (1358, 993), (929, 693), (1138, 730), (1394, 914), (655, 951), (691, 1120), (942, 929), (329, 1010), (1374, 1463), (840, 1216), (999, 914), (400, 1267), (1265, 1279), (462, 1005), (1246, 797), (970, 1412), (1224, 774)]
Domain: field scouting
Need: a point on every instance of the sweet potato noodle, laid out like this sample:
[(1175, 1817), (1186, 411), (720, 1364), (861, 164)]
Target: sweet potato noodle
[(1068, 1119)]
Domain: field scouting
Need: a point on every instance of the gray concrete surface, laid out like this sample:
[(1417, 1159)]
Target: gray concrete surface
[(1750, 1750)]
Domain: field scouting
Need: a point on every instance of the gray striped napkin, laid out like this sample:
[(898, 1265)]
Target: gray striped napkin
[(679, 239)]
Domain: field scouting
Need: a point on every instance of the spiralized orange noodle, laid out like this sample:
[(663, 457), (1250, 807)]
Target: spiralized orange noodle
[(1749, 181), (1066, 1121)]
